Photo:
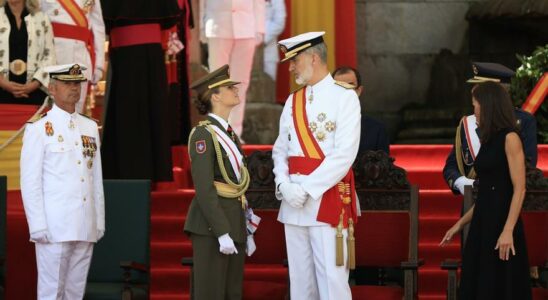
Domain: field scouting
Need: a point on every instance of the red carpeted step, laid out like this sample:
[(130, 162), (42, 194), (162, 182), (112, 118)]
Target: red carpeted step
[(169, 280), (435, 254), (439, 202), (170, 296), (168, 228), (432, 280), (433, 229), (169, 254), (172, 203)]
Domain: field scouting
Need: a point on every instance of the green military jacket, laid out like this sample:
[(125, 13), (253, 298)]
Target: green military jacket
[(209, 213)]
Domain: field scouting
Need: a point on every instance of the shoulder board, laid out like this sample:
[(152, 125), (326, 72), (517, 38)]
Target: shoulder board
[(36, 118), (297, 89), (345, 85), (88, 117)]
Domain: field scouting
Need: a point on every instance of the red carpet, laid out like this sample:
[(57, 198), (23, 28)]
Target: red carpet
[(265, 277)]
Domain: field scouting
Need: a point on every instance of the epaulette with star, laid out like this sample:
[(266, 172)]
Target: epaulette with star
[(345, 85), (36, 118), (93, 119)]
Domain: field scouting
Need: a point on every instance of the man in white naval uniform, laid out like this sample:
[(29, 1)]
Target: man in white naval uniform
[(62, 188), (232, 29), (79, 32), (332, 116)]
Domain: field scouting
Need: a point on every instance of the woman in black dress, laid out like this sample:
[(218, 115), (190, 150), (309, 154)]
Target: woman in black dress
[(495, 263)]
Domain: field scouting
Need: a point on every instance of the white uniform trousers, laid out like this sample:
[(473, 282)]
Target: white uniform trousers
[(238, 54), (312, 270), (63, 269)]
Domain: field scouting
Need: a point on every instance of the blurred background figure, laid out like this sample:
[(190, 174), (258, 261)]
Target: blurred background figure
[(373, 135), (26, 47), (275, 24), (232, 30), (79, 33)]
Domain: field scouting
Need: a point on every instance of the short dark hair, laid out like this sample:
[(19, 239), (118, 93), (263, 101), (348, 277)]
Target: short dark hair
[(203, 101), (346, 70), (496, 109)]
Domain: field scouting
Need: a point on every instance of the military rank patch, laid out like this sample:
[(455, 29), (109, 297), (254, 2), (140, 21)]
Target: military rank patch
[(49, 128), (200, 146)]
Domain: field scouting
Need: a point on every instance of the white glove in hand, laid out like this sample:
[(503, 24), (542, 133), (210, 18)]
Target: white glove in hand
[(293, 194), (226, 245), (461, 182), (250, 245), (40, 237), (100, 234)]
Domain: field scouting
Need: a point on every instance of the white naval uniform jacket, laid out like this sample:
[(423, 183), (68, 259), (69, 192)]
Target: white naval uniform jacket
[(331, 103), (232, 19), (61, 192), (75, 51), (41, 52)]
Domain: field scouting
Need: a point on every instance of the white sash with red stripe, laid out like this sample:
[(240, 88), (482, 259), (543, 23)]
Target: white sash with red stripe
[(472, 137), (234, 155)]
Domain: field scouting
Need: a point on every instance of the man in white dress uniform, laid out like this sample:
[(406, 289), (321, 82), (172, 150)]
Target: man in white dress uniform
[(62, 188), (79, 32), (313, 155)]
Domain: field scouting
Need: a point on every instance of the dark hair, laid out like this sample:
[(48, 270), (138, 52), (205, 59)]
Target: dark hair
[(346, 70), (496, 109), (203, 101)]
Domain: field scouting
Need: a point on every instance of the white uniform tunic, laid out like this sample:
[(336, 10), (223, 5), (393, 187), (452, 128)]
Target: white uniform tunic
[(334, 118), (62, 188)]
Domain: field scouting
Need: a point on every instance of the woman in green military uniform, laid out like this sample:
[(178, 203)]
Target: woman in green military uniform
[(216, 218)]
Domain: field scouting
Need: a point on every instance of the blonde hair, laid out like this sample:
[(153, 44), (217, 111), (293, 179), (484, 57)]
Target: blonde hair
[(32, 5)]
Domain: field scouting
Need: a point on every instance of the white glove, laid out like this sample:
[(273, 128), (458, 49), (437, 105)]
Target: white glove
[(461, 182), (97, 75), (40, 237), (259, 38), (250, 246), (227, 245), (293, 194), (100, 234)]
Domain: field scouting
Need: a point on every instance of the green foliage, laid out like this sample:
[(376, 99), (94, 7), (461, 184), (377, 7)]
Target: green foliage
[(527, 75)]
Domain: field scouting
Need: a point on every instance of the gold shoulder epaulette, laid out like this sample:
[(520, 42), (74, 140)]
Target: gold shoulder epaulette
[(297, 89), (345, 85), (36, 118), (93, 119)]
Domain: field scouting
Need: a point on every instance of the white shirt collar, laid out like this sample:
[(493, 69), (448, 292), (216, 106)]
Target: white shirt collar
[(326, 81), (220, 120), (68, 116)]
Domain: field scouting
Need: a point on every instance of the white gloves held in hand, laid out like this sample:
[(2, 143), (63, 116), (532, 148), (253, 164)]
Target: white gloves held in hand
[(293, 194), (461, 182), (40, 237), (226, 245)]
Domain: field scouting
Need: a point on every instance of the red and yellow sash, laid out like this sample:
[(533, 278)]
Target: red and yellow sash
[(340, 200), (80, 31)]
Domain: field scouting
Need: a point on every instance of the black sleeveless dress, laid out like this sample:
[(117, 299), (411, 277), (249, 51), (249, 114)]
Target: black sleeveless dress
[(484, 275)]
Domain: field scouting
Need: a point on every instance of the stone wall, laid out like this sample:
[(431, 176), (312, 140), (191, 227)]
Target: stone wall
[(398, 41)]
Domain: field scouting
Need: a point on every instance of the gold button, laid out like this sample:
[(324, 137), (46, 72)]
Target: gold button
[(56, 12), (79, 162)]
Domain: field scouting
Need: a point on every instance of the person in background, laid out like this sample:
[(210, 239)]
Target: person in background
[(275, 24), (373, 135), (232, 29), (26, 48), (79, 33)]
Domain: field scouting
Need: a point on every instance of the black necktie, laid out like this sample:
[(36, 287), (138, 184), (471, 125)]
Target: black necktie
[(231, 133)]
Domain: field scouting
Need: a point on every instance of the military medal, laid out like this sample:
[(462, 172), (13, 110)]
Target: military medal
[(49, 129), (90, 164), (330, 126), (313, 126), (320, 135), (321, 117), (60, 139)]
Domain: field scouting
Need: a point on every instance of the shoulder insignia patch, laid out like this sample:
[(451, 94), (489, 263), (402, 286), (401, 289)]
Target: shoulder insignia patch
[(36, 118), (345, 85), (201, 146)]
